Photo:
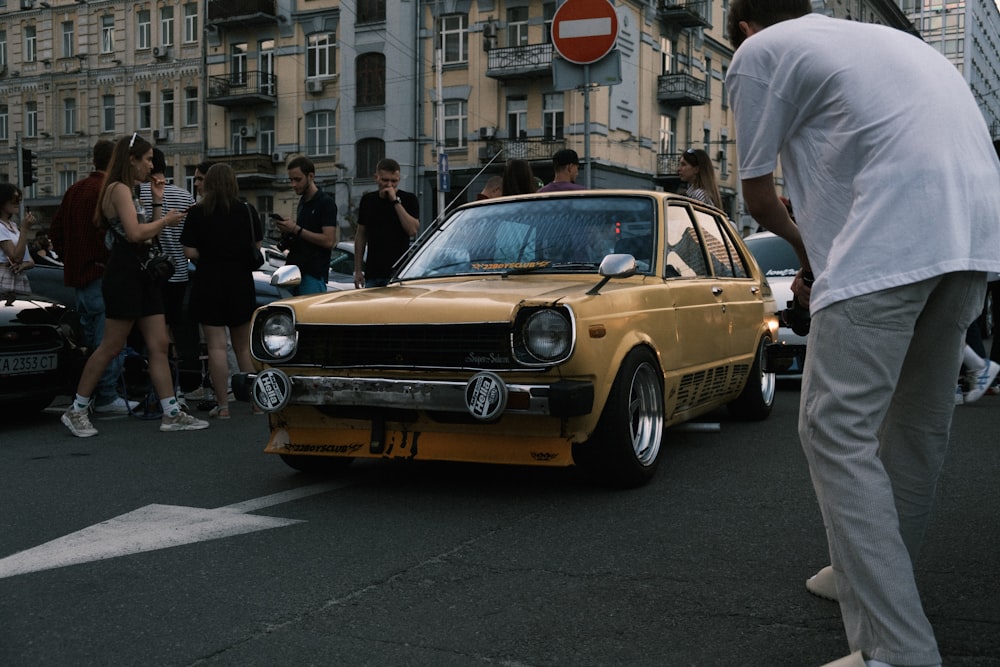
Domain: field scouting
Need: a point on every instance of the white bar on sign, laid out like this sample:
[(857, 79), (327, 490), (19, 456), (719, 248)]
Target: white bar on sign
[(585, 28)]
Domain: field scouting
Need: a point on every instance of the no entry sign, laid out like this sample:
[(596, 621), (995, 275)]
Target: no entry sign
[(584, 31)]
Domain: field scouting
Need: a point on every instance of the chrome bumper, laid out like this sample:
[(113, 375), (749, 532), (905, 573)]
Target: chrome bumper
[(485, 395)]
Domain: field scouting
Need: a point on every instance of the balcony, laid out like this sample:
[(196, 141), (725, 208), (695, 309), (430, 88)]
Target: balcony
[(684, 13), (242, 12), (242, 89), (251, 169), (521, 149), (681, 90), (517, 62), (668, 165)]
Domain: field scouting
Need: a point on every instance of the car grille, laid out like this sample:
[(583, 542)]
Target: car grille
[(478, 346), (31, 338)]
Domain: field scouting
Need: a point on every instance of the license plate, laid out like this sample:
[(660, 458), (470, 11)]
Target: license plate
[(23, 364)]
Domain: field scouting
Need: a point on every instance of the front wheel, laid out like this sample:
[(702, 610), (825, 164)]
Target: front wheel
[(624, 450), (757, 398)]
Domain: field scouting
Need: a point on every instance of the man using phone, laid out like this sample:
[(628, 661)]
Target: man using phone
[(313, 234), (387, 220)]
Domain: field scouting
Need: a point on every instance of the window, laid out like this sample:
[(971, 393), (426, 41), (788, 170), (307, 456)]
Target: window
[(4, 122), (3, 48), (517, 118), (190, 23), (107, 113), (31, 119), (142, 29), (456, 123), (167, 26), (368, 152), (68, 39), (320, 133), (69, 116), (66, 179), (265, 66), (30, 44), (320, 55), (517, 26), (553, 115), (454, 38), (725, 93), (265, 134), (548, 13), (371, 79), (167, 108), (371, 11), (107, 34), (238, 140), (190, 106), (144, 119), (238, 64), (708, 77)]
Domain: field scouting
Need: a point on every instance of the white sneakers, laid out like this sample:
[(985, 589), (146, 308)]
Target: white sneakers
[(119, 406), (823, 584), (978, 383)]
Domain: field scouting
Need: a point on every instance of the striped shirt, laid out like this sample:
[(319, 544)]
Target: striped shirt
[(174, 198)]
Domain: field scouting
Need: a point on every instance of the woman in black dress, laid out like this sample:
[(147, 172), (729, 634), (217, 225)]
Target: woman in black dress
[(218, 234)]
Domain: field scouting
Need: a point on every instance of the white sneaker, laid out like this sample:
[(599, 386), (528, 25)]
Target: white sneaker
[(823, 584), (78, 423), (182, 421), (981, 382), (959, 395), (119, 406)]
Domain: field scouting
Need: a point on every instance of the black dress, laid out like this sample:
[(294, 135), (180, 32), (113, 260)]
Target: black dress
[(222, 290)]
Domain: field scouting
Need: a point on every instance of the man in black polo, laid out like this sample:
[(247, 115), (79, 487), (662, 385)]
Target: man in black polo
[(314, 232)]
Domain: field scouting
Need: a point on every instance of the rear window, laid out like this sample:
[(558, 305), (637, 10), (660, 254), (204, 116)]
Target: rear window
[(775, 256)]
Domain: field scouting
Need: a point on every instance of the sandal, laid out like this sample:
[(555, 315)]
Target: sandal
[(219, 412)]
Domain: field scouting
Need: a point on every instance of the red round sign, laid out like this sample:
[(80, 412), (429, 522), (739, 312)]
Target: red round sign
[(584, 31)]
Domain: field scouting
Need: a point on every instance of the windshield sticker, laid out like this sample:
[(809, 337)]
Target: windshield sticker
[(501, 266)]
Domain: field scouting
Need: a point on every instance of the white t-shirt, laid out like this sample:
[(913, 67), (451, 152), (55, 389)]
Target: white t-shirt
[(887, 159), (7, 235)]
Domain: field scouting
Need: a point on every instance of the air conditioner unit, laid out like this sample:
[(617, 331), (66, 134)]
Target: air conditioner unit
[(277, 158), (487, 132), (314, 86), (248, 131), (161, 52), (161, 135)]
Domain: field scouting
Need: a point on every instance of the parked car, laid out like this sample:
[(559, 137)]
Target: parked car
[(341, 275), (780, 264), (549, 329), (40, 353)]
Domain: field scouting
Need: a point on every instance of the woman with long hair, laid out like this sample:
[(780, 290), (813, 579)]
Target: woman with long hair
[(15, 257), (131, 296), (518, 179), (696, 169), (218, 235)]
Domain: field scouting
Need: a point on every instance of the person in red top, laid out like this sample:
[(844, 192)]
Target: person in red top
[(80, 244)]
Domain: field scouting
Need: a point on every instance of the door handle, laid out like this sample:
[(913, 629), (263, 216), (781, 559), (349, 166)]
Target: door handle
[(716, 291)]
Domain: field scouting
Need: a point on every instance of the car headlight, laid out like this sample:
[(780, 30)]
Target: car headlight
[(547, 335), (277, 334)]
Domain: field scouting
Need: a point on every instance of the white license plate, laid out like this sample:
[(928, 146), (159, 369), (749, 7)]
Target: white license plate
[(22, 364)]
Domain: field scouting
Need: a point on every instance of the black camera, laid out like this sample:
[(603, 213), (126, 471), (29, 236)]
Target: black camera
[(796, 316), (285, 242)]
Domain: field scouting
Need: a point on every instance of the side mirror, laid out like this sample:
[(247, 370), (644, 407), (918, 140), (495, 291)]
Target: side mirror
[(288, 275)]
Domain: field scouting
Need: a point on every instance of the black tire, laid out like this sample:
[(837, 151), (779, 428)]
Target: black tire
[(624, 450), (757, 398), (317, 465)]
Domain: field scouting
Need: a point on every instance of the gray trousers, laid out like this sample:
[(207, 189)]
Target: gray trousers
[(878, 393)]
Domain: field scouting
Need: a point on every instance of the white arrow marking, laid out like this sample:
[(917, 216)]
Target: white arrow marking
[(155, 527), (585, 28)]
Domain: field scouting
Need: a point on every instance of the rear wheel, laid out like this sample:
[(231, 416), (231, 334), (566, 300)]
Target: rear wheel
[(317, 465), (624, 450), (757, 398)]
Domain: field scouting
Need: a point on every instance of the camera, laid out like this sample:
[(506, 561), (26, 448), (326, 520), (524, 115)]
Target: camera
[(796, 316), (286, 242)]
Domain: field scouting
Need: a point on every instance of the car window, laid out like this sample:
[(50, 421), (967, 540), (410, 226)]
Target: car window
[(774, 255), (552, 234), (341, 261), (685, 255), (726, 259)]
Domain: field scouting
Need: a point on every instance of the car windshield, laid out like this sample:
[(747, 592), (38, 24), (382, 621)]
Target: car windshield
[(774, 255), (550, 235)]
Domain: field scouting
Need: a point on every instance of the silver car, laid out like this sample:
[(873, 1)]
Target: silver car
[(779, 264)]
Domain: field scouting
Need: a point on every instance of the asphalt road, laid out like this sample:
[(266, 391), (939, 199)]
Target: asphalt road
[(446, 564)]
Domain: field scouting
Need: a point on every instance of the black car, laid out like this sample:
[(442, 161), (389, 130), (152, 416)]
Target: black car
[(40, 352)]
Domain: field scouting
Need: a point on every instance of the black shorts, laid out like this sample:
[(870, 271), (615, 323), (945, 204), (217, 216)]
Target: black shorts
[(129, 294)]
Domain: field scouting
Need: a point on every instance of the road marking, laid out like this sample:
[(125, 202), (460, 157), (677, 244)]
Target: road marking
[(585, 28), (156, 527)]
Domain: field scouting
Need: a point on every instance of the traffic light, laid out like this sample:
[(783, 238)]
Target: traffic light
[(28, 174)]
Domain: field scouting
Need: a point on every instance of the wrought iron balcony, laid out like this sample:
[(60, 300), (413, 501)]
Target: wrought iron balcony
[(242, 88), (668, 164), (221, 12), (521, 149), (682, 90), (684, 13), (514, 62)]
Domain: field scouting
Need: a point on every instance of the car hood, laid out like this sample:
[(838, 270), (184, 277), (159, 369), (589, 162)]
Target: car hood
[(31, 310), (482, 298)]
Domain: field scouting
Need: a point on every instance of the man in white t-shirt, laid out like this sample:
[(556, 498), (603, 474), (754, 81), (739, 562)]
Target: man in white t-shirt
[(889, 164)]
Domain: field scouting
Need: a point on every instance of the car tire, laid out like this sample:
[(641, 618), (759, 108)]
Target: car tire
[(317, 465), (624, 450), (757, 398)]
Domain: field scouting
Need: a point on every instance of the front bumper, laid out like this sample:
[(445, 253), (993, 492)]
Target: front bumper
[(485, 396)]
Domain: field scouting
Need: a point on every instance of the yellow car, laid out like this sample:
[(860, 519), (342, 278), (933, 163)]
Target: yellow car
[(549, 329)]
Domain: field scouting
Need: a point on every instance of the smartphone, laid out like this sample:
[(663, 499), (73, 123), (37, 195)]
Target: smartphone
[(277, 216)]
